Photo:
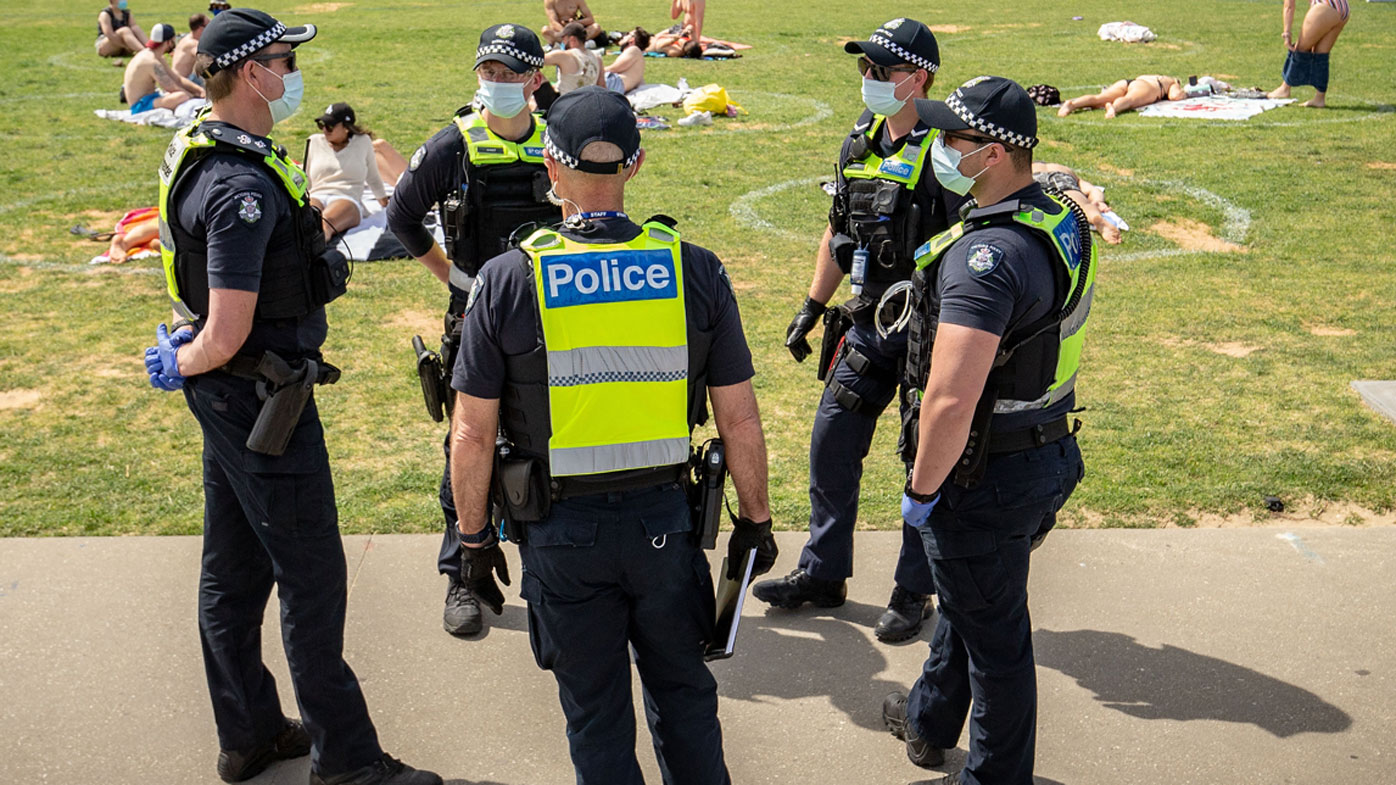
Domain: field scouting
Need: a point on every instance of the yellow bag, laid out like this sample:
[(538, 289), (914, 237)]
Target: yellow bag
[(710, 98)]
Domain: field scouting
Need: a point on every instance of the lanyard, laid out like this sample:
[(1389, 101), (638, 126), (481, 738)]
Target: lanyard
[(602, 215)]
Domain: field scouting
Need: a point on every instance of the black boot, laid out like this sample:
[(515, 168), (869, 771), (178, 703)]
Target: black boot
[(462, 614), (384, 771), (239, 765), (798, 588), (905, 612), (917, 750)]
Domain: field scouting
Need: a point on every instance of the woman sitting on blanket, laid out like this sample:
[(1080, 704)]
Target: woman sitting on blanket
[(1127, 94), (340, 162), (1090, 197)]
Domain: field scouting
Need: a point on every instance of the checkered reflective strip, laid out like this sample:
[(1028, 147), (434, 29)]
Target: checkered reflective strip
[(570, 161), (602, 377), (997, 131), (267, 38), (601, 364), (510, 50), (915, 59)]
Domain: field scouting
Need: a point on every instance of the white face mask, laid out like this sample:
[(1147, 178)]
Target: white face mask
[(292, 89), (881, 97), (503, 99), (945, 162)]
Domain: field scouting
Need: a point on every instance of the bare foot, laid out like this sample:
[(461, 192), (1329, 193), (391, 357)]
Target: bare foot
[(1315, 103), (1111, 233), (118, 62), (1110, 110), (1065, 110), (1279, 92)]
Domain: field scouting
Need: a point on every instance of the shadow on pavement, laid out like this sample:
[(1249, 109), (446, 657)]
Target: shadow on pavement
[(811, 652), (1176, 684)]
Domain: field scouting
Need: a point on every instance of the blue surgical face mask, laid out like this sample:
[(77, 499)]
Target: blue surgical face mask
[(945, 162), (293, 88), (881, 97), (503, 99)]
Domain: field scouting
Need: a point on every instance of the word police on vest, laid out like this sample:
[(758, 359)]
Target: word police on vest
[(609, 277)]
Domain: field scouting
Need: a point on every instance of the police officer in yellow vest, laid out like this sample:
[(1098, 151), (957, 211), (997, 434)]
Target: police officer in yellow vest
[(596, 346), (245, 265), (485, 172), (886, 204), (995, 344)]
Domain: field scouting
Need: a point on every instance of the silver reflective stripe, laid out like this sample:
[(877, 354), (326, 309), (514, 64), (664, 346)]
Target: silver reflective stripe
[(1077, 319), (598, 364), (461, 279), (617, 457), (1053, 396)]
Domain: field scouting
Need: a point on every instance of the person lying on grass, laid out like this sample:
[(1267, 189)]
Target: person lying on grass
[(1090, 197), (1127, 94)]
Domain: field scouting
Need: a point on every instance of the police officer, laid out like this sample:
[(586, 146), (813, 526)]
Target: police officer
[(245, 265), (886, 204), (485, 170), (996, 337), (597, 345)]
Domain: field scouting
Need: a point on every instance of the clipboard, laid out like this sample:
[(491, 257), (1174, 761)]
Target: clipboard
[(731, 595)]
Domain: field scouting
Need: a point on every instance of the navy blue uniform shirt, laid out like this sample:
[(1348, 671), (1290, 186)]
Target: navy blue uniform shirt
[(503, 318), (1000, 279)]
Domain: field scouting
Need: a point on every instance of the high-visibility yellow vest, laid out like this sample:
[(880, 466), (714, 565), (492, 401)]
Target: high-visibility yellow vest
[(903, 167), (616, 338), (485, 148)]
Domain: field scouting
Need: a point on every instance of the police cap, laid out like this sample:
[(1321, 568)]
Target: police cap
[(236, 33), (591, 114), (993, 105), (898, 42), (513, 45)]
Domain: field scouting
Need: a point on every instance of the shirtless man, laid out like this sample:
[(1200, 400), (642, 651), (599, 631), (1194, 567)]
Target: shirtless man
[(576, 65), (148, 71), (188, 46), (693, 12), (1127, 94), (118, 34), (562, 12), (630, 66)]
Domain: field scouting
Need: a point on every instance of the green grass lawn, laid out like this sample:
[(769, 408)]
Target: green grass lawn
[(1210, 379)]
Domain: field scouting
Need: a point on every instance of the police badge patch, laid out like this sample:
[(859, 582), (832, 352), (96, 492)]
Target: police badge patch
[(249, 207), (475, 290), (417, 158), (983, 258)]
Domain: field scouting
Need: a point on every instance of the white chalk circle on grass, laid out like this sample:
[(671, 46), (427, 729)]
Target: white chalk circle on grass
[(743, 208)]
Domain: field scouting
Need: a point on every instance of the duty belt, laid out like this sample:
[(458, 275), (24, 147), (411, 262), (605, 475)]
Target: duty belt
[(587, 485), (245, 367), (1029, 438)]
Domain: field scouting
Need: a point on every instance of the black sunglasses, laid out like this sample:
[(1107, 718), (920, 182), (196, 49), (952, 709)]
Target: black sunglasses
[(969, 138), (881, 73), (324, 126), (289, 57)]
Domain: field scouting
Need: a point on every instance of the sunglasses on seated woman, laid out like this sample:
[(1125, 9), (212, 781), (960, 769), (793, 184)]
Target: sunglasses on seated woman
[(324, 126), (881, 73)]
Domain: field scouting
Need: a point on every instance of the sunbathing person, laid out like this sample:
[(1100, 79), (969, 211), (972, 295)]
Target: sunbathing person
[(149, 82), (1127, 94), (576, 65), (563, 12), (118, 34), (340, 162), (1090, 197), (183, 61), (629, 68), (693, 12), (676, 42), (1306, 62)]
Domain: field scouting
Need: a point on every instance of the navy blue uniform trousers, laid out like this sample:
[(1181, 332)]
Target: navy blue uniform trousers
[(837, 448), (273, 520), (607, 575), (978, 542)]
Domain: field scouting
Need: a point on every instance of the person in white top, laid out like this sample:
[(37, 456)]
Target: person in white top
[(576, 65), (339, 162)]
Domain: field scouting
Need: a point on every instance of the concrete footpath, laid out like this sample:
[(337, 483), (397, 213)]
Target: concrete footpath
[(1164, 657)]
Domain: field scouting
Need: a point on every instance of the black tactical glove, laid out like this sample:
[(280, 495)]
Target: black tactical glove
[(477, 569), (800, 326), (748, 534)]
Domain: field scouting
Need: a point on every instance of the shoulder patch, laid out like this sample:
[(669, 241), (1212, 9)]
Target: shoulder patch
[(249, 206), (722, 273), (983, 258), (417, 158), (475, 290)]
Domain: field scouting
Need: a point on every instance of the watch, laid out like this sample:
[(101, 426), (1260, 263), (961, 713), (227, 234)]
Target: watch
[(919, 498)]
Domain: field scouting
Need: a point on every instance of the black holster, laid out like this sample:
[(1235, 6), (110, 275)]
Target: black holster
[(837, 320), (706, 492), (969, 470), (522, 488), (432, 375), (284, 390)]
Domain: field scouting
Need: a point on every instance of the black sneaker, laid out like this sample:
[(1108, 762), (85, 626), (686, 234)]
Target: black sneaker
[(462, 614), (798, 588), (917, 750), (239, 765), (384, 771), (905, 612)]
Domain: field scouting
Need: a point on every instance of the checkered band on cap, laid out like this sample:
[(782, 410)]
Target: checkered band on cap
[(916, 60), (497, 48), (570, 161), (267, 38), (997, 131)]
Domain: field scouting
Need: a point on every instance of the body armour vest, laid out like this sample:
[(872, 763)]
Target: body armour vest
[(886, 214), (294, 280), (608, 389), (1037, 363), (502, 195)]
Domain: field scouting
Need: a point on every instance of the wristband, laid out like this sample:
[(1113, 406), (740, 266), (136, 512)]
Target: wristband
[(478, 538), (919, 498)]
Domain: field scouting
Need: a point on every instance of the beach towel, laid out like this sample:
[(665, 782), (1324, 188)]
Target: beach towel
[(1128, 32), (163, 118), (649, 96), (371, 241), (1213, 107)]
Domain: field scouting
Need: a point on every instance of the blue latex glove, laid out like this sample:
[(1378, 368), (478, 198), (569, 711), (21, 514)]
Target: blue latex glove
[(160, 361), (917, 513)]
